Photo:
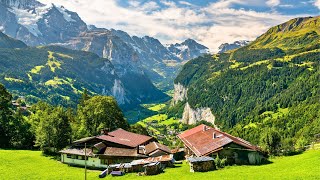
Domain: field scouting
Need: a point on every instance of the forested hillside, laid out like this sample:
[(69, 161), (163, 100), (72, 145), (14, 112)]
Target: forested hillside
[(59, 75), (266, 90)]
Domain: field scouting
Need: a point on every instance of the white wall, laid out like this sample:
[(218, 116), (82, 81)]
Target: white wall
[(91, 162)]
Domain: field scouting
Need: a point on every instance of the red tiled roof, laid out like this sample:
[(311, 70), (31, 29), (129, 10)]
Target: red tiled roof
[(126, 138), (200, 140)]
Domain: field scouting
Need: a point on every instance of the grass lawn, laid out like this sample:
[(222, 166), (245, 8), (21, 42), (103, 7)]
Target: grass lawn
[(20, 164), (16, 164)]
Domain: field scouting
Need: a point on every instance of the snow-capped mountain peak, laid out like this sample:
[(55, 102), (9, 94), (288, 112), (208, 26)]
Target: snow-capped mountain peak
[(230, 46), (188, 49)]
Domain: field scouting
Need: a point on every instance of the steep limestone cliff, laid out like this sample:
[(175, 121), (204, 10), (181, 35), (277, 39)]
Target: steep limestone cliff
[(180, 93), (192, 116)]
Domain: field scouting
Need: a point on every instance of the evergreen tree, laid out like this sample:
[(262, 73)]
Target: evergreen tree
[(6, 116)]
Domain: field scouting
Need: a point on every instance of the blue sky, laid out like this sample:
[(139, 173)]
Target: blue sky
[(211, 22)]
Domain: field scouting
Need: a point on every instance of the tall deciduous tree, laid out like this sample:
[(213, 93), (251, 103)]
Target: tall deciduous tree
[(97, 113), (52, 128)]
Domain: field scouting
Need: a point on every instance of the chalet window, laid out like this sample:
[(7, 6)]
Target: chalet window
[(69, 156)]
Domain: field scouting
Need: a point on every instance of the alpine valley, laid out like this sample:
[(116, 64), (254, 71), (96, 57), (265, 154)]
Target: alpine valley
[(125, 104), (130, 68)]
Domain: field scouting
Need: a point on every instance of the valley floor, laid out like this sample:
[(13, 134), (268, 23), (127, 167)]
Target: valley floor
[(21, 164)]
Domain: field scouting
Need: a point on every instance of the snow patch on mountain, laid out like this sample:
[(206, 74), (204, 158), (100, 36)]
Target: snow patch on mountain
[(29, 17), (65, 14)]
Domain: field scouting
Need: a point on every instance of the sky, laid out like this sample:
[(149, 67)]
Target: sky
[(210, 22)]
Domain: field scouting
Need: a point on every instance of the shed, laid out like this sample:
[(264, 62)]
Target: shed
[(201, 164), (152, 168)]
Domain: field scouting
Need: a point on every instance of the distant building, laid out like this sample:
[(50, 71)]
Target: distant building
[(208, 141), (114, 147)]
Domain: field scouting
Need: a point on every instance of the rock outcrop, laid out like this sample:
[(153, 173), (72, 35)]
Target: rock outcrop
[(180, 93), (192, 116)]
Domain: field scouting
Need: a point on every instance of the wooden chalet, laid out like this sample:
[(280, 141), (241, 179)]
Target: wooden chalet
[(119, 146), (208, 141)]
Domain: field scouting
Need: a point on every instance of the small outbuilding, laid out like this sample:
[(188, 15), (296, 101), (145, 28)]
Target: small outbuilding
[(153, 168), (201, 164)]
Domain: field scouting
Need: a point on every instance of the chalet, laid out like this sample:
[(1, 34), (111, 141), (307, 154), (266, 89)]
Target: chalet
[(116, 147), (208, 141)]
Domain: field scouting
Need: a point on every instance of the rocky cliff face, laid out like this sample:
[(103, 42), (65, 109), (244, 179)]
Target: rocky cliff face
[(192, 116), (180, 93), (118, 92)]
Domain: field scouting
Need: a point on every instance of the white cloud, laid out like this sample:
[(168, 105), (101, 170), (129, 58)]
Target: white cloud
[(185, 3), (273, 3), (317, 3), (134, 3), (212, 25), (149, 6)]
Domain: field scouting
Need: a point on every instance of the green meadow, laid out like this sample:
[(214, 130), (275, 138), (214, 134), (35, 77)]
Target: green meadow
[(22, 164)]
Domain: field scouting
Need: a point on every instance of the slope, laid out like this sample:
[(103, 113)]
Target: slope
[(7, 42), (250, 90)]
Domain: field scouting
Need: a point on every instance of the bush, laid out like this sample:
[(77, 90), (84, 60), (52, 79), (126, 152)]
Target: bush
[(220, 163)]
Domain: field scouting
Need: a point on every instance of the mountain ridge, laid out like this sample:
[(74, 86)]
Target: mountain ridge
[(257, 87)]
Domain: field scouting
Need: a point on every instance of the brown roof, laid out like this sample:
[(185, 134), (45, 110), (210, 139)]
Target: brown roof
[(84, 139), (77, 152), (202, 142), (126, 138), (153, 146), (100, 145), (124, 152), (163, 158)]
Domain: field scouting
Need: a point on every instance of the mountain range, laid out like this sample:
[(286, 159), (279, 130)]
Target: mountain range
[(134, 64), (37, 24)]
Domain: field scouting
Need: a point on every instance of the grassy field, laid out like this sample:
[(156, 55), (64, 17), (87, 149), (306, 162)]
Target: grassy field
[(20, 164), (16, 164)]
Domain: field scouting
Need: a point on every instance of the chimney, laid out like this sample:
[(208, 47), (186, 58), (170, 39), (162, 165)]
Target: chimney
[(214, 135), (104, 131), (204, 128)]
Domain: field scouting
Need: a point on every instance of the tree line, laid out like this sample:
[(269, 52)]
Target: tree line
[(51, 128)]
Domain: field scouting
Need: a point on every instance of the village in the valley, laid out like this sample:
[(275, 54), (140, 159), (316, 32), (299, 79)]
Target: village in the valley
[(119, 152)]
